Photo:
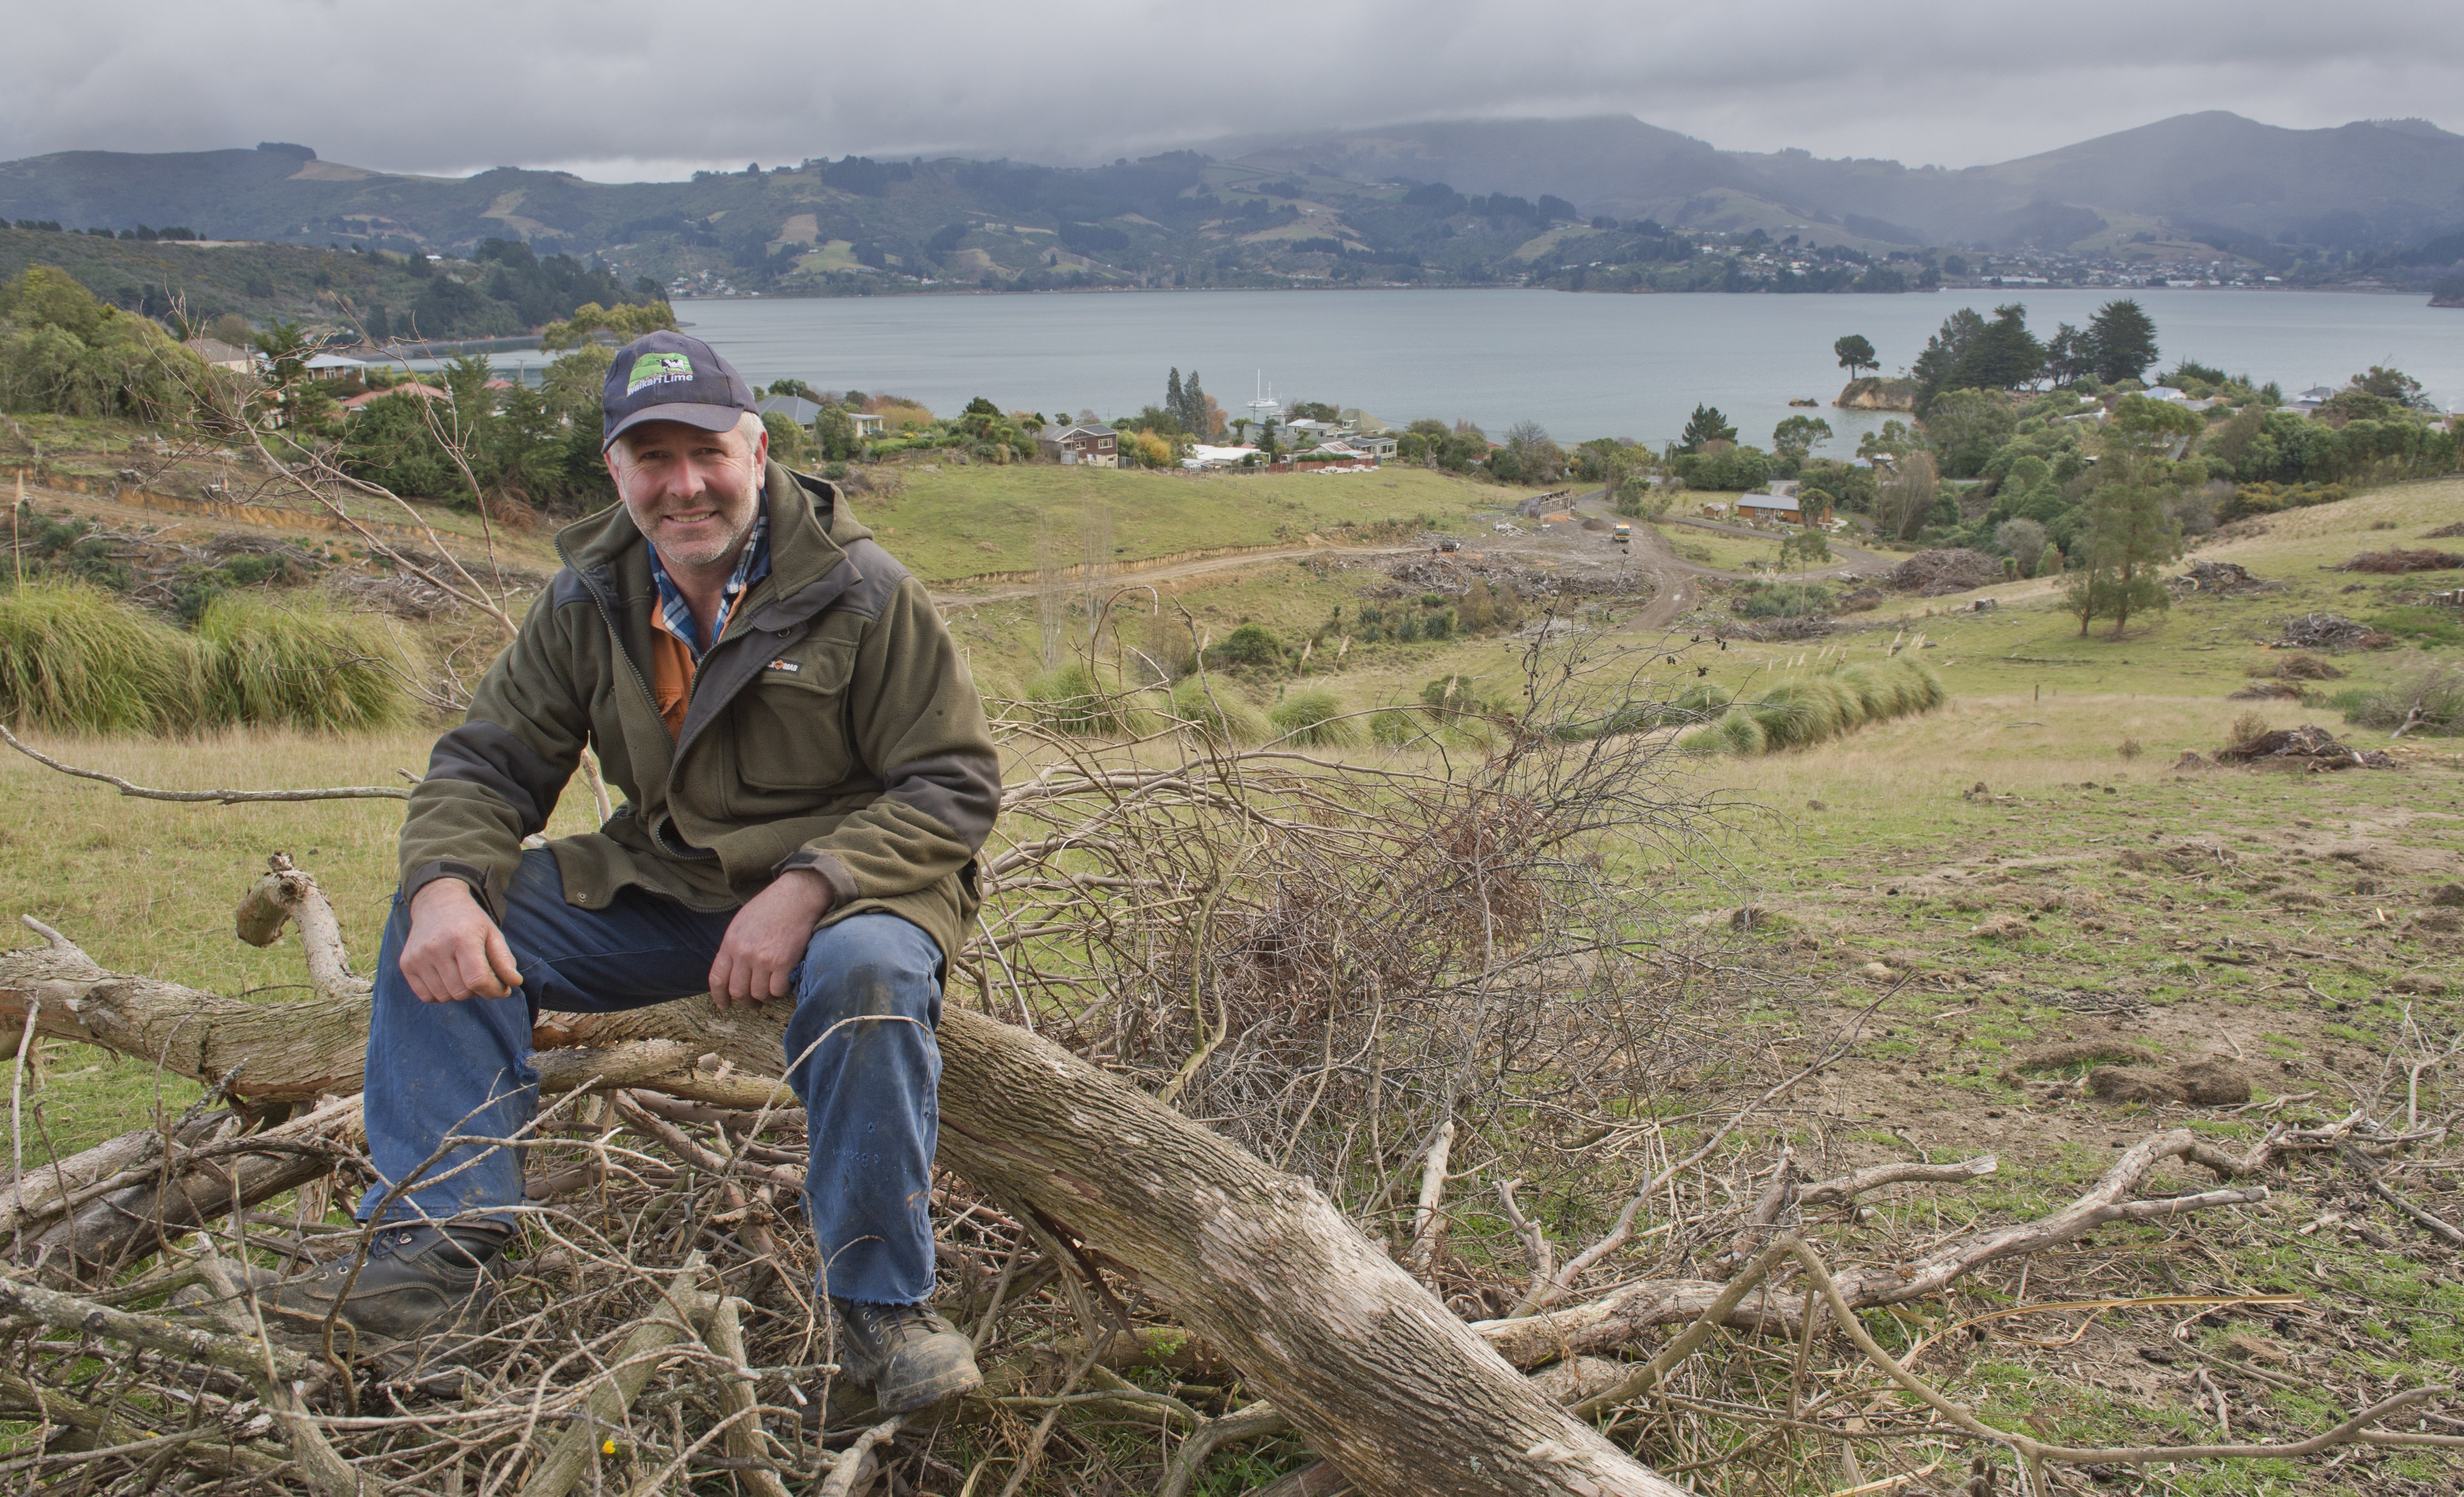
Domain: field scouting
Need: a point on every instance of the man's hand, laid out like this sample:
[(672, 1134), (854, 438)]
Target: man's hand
[(453, 950), (766, 940)]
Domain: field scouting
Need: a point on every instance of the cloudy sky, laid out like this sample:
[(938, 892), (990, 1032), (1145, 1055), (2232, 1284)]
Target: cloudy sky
[(624, 90)]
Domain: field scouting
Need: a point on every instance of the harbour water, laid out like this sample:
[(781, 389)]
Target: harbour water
[(1582, 366)]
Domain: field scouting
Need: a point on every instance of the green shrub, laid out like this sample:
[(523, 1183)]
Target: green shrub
[(1458, 693), (1394, 727), (1781, 600), (1313, 719), (1217, 711), (1704, 699), (307, 664), (1071, 700), (2432, 703), (2430, 626), (1249, 645), (75, 659)]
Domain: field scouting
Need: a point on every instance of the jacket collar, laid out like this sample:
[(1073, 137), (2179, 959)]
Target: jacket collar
[(810, 530)]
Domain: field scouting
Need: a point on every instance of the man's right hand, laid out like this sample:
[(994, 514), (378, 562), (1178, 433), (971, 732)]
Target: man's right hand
[(453, 950)]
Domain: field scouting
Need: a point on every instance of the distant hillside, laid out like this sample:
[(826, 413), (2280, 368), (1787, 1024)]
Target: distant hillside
[(1605, 204), (2371, 186), (509, 291)]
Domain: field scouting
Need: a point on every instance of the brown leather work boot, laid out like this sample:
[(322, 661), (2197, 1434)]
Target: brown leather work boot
[(907, 1355)]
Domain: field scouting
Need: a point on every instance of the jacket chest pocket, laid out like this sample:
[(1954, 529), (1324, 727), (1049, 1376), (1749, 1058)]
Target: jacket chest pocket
[(790, 726)]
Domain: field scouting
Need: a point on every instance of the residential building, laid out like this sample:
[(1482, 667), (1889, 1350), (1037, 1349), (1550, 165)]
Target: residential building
[(1770, 506), (795, 407), (423, 391), (1095, 446), (333, 366), (1380, 447), (867, 424), (220, 355)]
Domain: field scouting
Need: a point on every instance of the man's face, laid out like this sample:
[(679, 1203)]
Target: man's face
[(693, 493)]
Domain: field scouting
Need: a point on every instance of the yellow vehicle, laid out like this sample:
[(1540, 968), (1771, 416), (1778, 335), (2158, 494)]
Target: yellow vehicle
[(1624, 530)]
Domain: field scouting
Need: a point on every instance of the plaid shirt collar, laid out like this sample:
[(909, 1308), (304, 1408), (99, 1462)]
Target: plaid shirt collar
[(751, 566)]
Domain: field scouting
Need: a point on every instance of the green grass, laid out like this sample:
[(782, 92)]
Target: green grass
[(1312, 718), (74, 658), (968, 521), (304, 663), (1212, 705), (1717, 548)]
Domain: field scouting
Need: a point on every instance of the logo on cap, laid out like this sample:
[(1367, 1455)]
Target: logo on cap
[(658, 369)]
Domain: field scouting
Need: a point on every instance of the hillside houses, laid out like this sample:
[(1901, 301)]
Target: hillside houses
[(1082, 444)]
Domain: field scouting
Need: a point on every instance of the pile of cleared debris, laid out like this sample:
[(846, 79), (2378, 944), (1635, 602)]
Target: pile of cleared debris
[(2219, 578), (2332, 632), (1453, 576), (2416, 559), (2307, 748), (1932, 574)]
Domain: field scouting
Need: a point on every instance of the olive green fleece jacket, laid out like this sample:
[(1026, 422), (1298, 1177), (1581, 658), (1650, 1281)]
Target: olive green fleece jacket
[(832, 726)]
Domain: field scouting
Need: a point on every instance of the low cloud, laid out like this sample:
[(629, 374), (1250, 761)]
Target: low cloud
[(626, 90)]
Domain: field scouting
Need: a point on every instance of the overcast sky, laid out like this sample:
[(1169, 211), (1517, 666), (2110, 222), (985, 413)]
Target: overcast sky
[(625, 90)]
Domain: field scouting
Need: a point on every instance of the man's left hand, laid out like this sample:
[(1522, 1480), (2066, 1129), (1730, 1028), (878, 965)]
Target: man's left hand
[(768, 938)]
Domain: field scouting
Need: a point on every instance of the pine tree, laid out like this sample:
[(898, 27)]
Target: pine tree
[(2123, 339), (1706, 425), (1172, 399)]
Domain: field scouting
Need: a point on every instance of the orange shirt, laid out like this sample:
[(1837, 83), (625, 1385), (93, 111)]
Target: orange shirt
[(671, 673)]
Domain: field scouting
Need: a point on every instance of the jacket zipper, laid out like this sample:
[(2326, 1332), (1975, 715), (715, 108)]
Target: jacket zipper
[(615, 638)]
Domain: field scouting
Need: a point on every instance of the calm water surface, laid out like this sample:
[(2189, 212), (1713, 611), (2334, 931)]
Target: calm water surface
[(1581, 366)]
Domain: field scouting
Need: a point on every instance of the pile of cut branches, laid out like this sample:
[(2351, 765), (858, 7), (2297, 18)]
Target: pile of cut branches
[(1237, 1035)]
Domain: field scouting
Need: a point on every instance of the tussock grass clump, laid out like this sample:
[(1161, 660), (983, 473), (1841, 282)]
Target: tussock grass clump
[(75, 659), (1073, 701), (1802, 713), (1313, 719), (304, 663), (1217, 712)]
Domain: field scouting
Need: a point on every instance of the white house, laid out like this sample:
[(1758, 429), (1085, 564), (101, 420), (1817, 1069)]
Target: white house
[(220, 355)]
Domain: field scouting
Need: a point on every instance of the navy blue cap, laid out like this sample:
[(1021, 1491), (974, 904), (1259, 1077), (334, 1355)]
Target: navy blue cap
[(669, 377)]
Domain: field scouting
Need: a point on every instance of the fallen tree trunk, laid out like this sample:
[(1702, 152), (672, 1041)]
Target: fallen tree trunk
[(1371, 1369)]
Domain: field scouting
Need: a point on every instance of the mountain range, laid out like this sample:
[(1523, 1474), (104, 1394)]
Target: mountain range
[(1596, 202)]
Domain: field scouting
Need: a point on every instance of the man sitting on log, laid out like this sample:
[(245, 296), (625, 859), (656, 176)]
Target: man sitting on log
[(807, 777)]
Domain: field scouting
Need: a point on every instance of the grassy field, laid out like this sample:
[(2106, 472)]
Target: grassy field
[(2025, 866), (955, 522), (1716, 548)]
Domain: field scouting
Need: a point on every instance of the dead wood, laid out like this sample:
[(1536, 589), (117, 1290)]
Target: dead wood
[(1372, 1370)]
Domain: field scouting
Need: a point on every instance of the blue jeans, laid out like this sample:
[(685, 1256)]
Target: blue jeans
[(870, 1087)]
